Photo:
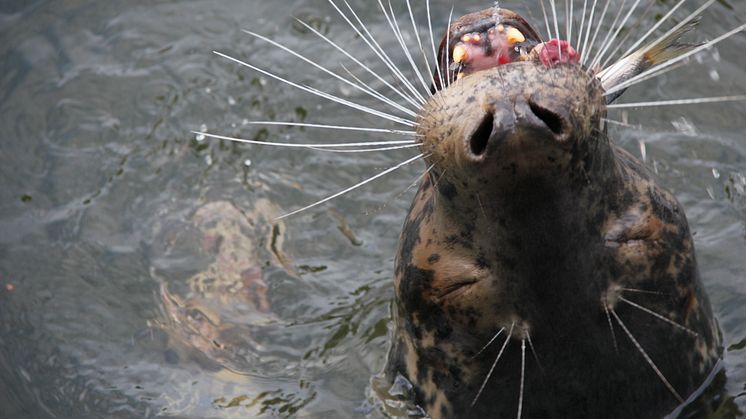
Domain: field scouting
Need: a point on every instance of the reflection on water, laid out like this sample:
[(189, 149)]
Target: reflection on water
[(142, 271)]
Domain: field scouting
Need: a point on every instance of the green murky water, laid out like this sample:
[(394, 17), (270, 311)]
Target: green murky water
[(140, 271)]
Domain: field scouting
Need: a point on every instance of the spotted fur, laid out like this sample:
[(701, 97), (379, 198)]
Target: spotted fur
[(545, 230)]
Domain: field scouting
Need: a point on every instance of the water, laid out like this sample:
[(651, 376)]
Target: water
[(102, 180)]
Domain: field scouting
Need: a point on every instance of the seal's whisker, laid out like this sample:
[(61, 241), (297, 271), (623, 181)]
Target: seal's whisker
[(647, 358), (632, 30), (370, 40), (523, 378), (663, 20), (666, 47), (489, 343), (406, 143), (611, 34), (396, 90), (447, 58), (371, 90), (642, 291), (629, 31), (569, 9), (366, 150), (634, 80), (392, 67), (334, 127), (587, 53), (546, 19), (658, 316), (492, 368), (693, 101), (394, 24), (620, 123), (611, 328), (372, 93), (556, 24), (319, 93), (588, 30), (582, 24), (352, 188), (432, 42), (533, 351), (417, 36), (653, 75), (393, 198), (362, 108)]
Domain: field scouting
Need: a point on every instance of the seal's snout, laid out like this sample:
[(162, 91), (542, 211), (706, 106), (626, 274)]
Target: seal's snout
[(480, 138), (543, 117), (513, 121), (527, 120)]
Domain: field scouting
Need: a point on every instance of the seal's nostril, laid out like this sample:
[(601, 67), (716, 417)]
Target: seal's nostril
[(551, 119), (481, 136)]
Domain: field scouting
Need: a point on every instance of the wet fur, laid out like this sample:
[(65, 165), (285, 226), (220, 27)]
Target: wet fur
[(544, 237)]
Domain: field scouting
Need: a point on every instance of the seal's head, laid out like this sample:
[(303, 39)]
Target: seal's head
[(532, 230)]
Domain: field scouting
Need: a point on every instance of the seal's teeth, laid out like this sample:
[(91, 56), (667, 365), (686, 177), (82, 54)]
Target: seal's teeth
[(459, 54), (515, 36), (501, 28), (472, 38)]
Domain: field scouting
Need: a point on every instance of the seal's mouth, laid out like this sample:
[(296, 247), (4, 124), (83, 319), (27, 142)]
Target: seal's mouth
[(486, 46), (484, 40)]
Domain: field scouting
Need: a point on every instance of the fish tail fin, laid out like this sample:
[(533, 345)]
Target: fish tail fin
[(669, 47)]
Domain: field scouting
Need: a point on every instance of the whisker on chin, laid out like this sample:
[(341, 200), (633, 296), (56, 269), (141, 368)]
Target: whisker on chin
[(523, 377), (533, 351), (611, 328), (647, 358), (660, 317), (352, 188), (642, 291), (489, 343), (492, 368)]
